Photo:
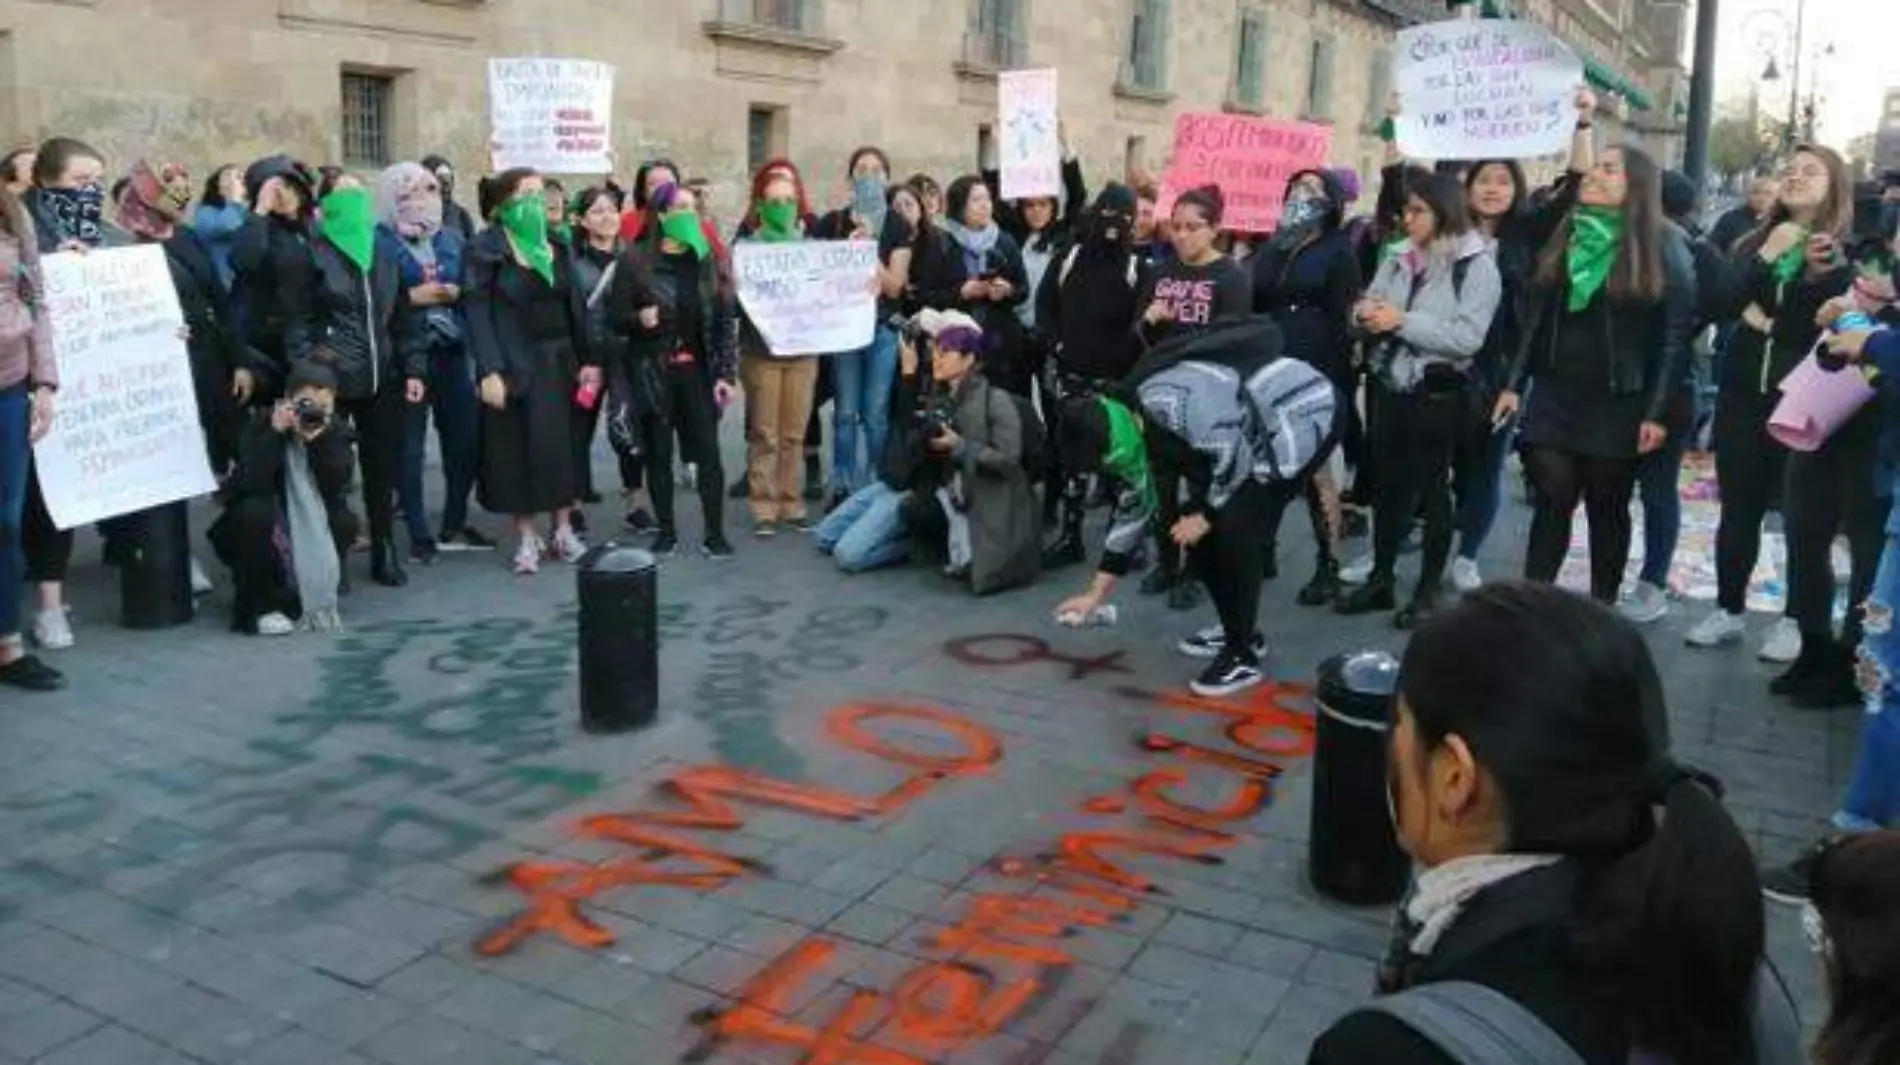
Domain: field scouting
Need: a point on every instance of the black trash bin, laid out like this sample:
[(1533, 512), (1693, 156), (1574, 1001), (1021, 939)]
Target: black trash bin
[(619, 639), (155, 568), (1352, 855)]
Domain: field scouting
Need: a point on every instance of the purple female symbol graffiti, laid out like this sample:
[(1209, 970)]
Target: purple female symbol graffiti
[(1000, 649)]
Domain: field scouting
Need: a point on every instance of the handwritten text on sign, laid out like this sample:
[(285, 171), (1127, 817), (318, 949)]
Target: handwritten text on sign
[(551, 114), (1249, 158), (809, 297), (126, 436), (1030, 154), (1486, 89)]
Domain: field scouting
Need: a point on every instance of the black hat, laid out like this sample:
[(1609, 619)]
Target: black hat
[(305, 373), (1115, 198), (1678, 194), (278, 166)]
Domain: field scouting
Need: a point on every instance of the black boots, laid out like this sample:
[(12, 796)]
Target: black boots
[(1424, 603), (1371, 597), (1324, 587), (1821, 678), (385, 565), (1066, 550)]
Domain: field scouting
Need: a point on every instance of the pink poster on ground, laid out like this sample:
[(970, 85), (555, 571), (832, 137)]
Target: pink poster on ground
[(1249, 158)]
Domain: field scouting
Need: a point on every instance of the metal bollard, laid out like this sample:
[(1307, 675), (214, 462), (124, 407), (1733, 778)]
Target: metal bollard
[(1352, 854), (155, 569), (619, 595)]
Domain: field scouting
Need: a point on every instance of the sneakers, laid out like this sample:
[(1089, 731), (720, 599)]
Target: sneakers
[(458, 540), (1227, 675), (798, 523), (664, 544), (528, 555), (424, 552), (1358, 571), (1210, 642), (1465, 576), (1783, 643), (200, 580), (765, 528), (1643, 603), (53, 629), (1185, 595), (568, 545), (640, 520), (718, 548), (1789, 884), (28, 673), (275, 624), (1718, 628)]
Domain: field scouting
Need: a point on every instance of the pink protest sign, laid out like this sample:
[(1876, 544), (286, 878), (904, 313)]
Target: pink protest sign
[(1249, 158)]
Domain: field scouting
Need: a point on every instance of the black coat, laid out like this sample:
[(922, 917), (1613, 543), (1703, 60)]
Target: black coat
[(362, 320), (1755, 363), (259, 472), (273, 275), (643, 280), (214, 347), (939, 272), (1309, 291), (497, 299), (1074, 200)]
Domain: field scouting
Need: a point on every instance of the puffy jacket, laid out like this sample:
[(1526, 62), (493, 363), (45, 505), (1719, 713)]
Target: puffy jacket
[(363, 321), (1449, 295)]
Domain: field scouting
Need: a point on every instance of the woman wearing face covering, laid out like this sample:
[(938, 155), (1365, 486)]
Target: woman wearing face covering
[(455, 217), (359, 323), (527, 332), (430, 256), (1307, 277), (778, 387)]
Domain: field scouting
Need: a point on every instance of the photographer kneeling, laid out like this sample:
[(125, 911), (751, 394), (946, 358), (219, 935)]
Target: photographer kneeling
[(954, 474), (285, 526)]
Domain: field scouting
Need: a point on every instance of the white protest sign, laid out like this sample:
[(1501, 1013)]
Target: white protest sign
[(125, 433), (809, 297), (551, 114), (1029, 150), (1485, 89)]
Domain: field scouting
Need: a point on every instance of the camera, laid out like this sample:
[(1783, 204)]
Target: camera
[(908, 327), (311, 415)]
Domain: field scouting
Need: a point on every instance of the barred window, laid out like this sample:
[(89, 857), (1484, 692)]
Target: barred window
[(999, 35), (1250, 60), (366, 119), (1146, 64), (798, 16)]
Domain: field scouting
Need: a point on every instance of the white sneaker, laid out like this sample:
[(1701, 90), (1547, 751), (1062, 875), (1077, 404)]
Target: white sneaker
[(53, 629), (1783, 643), (1208, 643), (1357, 571), (528, 555), (200, 580), (568, 545), (275, 624), (1465, 576), (1643, 603), (1719, 628)]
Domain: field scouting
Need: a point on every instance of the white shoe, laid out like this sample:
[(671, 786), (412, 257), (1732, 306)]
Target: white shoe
[(1643, 603), (200, 580), (53, 629), (1465, 576), (1357, 571), (528, 555), (275, 624), (1783, 643), (1720, 627), (1208, 643), (568, 545)]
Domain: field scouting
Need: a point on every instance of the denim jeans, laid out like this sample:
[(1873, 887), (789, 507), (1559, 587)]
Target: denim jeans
[(1873, 792), (452, 398), (1660, 484), (862, 408), (867, 530), (15, 414)]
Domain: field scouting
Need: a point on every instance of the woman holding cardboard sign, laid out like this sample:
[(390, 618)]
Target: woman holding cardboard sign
[(778, 388)]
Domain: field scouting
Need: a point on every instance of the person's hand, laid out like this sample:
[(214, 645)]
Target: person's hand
[(1001, 290), (589, 377), (1832, 310), (1586, 103), (40, 418), (1062, 136), (1158, 311), (427, 294), (1394, 107), (1650, 438), (907, 356), (243, 383), (723, 391), (1382, 318), (861, 231), (1851, 344), (1077, 606), (649, 317), (415, 390), (1757, 319), (1190, 530), (1823, 253), (494, 392), (283, 417), (1780, 239), (74, 246), (1505, 409), (974, 290), (450, 293), (267, 196), (946, 441)]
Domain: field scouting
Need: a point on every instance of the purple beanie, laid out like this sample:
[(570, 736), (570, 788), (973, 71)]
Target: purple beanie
[(1348, 179)]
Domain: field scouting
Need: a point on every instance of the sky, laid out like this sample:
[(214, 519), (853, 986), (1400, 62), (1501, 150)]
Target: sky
[(1866, 61)]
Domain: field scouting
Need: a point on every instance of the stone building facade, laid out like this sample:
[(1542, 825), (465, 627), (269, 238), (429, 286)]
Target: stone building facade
[(717, 84)]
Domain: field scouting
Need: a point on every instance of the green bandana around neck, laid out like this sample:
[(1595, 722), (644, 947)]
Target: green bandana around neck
[(778, 221), (1393, 248), (1127, 458), (682, 227), (349, 223), (525, 220), (1596, 233), (1792, 261), (561, 233)]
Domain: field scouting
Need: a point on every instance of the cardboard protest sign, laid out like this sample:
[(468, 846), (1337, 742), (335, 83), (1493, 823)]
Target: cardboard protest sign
[(1485, 89), (1249, 158), (125, 433), (551, 114), (809, 297), (1029, 149)]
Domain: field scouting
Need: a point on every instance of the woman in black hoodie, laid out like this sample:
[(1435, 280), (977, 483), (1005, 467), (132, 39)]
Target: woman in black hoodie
[(1306, 276)]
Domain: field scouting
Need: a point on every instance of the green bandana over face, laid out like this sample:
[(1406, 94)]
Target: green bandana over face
[(1596, 234), (682, 227), (525, 220), (1127, 458), (1792, 261), (349, 223), (778, 221)]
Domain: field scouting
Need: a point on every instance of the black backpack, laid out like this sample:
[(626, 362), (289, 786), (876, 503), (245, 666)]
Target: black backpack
[(1035, 457)]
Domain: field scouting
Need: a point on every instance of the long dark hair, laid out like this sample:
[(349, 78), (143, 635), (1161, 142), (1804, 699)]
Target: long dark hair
[(1208, 199), (1559, 701), (213, 194), (10, 165), (499, 189), (1856, 888), (956, 198), (53, 156), (1638, 275), (1520, 186), (1444, 197), (648, 167)]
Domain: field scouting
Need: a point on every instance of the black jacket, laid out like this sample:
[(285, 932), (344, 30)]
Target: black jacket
[(1088, 302), (213, 346), (498, 301), (259, 472), (1755, 363), (643, 280), (938, 271), (273, 276), (1309, 290), (1074, 200), (362, 320)]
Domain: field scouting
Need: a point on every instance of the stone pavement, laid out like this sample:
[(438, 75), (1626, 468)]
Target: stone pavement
[(276, 852)]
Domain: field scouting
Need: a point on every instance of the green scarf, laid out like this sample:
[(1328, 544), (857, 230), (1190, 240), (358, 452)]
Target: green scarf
[(525, 220), (778, 221), (1393, 248), (1127, 458), (682, 227), (349, 223), (1792, 261), (1596, 233)]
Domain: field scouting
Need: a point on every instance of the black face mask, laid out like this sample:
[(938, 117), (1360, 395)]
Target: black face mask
[(1107, 227)]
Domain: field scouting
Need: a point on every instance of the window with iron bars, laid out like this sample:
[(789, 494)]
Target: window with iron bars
[(998, 35), (798, 16), (366, 119), (1250, 61), (1146, 65)]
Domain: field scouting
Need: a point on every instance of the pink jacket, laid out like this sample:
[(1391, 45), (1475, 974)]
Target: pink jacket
[(26, 343)]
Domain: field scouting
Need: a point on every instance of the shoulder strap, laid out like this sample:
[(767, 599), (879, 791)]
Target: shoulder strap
[(1459, 271), (1068, 264), (606, 282), (1474, 1025)]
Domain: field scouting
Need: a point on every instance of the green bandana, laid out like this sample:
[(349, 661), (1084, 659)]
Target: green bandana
[(561, 232), (1792, 261), (349, 223), (1595, 235), (778, 221), (682, 227), (1393, 248), (525, 220), (1127, 458)]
